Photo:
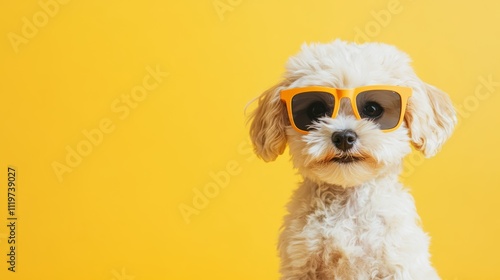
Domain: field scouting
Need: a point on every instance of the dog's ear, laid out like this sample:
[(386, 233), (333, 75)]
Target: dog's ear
[(430, 117), (268, 122)]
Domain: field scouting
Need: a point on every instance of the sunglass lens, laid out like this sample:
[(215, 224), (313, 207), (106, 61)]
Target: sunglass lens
[(381, 106), (308, 107)]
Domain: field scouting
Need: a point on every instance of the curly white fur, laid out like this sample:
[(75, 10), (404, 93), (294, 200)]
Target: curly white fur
[(352, 220)]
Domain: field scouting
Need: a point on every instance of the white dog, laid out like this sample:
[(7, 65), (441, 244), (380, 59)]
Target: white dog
[(348, 113)]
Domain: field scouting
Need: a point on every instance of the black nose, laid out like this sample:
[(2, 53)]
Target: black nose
[(344, 139)]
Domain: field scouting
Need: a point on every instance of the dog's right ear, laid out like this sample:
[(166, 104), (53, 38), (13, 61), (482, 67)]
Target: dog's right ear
[(268, 122)]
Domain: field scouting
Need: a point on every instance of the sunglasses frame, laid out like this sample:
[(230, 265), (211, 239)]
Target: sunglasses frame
[(288, 94)]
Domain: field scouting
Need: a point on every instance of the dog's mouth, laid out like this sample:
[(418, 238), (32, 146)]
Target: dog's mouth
[(346, 159)]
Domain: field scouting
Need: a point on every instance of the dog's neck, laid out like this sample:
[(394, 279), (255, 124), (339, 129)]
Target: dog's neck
[(386, 176), (337, 194)]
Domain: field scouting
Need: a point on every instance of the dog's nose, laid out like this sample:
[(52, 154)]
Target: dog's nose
[(344, 139)]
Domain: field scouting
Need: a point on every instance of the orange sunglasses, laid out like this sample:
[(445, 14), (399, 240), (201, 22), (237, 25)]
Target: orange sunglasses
[(382, 104)]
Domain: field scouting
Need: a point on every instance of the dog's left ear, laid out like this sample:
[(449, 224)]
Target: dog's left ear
[(430, 116)]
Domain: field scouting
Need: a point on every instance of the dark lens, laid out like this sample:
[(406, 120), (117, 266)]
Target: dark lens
[(308, 107), (381, 106)]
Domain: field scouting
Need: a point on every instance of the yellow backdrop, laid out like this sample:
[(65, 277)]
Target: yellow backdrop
[(124, 124)]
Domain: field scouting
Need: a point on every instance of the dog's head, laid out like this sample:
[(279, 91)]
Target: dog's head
[(350, 149)]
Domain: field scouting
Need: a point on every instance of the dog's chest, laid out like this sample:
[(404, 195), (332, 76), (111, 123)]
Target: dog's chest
[(353, 227), (356, 229), (367, 232)]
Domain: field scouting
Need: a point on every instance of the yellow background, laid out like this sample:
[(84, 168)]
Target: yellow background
[(116, 214)]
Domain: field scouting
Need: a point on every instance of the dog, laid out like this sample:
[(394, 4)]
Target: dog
[(349, 113)]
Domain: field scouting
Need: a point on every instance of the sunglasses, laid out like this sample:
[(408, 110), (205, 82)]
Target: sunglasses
[(384, 105)]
